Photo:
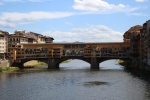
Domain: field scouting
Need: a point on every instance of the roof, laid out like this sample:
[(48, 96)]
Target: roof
[(4, 32), (30, 37), (133, 30), (34, 33), (48, 37), (42, 36), (12, 35)]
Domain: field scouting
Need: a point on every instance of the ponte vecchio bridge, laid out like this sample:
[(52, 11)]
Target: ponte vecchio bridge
[(55, 53)]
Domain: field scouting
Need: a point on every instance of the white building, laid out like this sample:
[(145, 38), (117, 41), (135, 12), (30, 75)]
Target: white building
[(3, 44)]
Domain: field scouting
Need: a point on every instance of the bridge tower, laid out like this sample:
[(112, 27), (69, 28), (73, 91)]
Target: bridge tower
[(52, 63), (94, 63)]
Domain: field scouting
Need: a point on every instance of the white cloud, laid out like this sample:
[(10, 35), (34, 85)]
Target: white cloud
[(68, 23), (141, 0), (95, 33), (101, 6), (137, 14), (6, 24), (23, 18)]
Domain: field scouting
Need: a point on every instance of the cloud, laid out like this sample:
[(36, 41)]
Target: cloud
[(141, 0), (93, 33), (101, 6), (6, 24), (68, 23), (137, 14), (14, 18)]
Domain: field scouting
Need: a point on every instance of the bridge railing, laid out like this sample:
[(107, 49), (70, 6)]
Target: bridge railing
[(100, 56)]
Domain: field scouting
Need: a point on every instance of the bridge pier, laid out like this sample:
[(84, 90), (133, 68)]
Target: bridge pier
[(94, 63), (20, 65), (52, 64)]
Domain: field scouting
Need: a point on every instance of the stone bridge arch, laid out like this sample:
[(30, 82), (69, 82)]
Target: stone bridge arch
[(100, 60), (41, 60), (54, 63), (21, 64), (61, 60), (94, 62)]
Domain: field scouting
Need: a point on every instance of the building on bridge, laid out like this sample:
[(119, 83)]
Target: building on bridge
[(63, 51)]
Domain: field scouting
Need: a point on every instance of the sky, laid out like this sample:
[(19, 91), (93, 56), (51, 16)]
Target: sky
[(74, 20)]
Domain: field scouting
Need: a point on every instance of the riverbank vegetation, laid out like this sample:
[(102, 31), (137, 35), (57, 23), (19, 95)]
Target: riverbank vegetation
[(40, 64), (34, 63), (9, 69)]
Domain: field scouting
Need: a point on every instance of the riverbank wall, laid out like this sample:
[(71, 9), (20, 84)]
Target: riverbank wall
[(4, 63), (135, 64)]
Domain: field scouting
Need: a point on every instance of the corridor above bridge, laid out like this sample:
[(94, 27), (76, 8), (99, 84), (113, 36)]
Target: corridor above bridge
[(59, 50)]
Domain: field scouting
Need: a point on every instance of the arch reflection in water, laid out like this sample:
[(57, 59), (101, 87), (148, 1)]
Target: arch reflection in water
[(111, 65)]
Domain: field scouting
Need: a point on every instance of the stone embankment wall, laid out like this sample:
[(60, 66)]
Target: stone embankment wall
[(4, 63)]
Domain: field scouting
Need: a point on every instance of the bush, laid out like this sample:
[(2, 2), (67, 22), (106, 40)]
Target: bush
[(1, 69), (7, 68)]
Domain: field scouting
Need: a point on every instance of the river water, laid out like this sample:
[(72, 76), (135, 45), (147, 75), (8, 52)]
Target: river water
[(74, 81)]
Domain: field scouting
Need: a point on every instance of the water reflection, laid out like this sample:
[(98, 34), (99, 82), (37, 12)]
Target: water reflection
[(5, 76), (75, 82), (111, 65), (94, 83)]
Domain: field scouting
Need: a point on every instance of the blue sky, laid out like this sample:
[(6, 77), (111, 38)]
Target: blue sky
[(74, 20)]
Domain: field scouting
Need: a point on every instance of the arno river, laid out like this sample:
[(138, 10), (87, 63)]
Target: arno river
[(75, 81)]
